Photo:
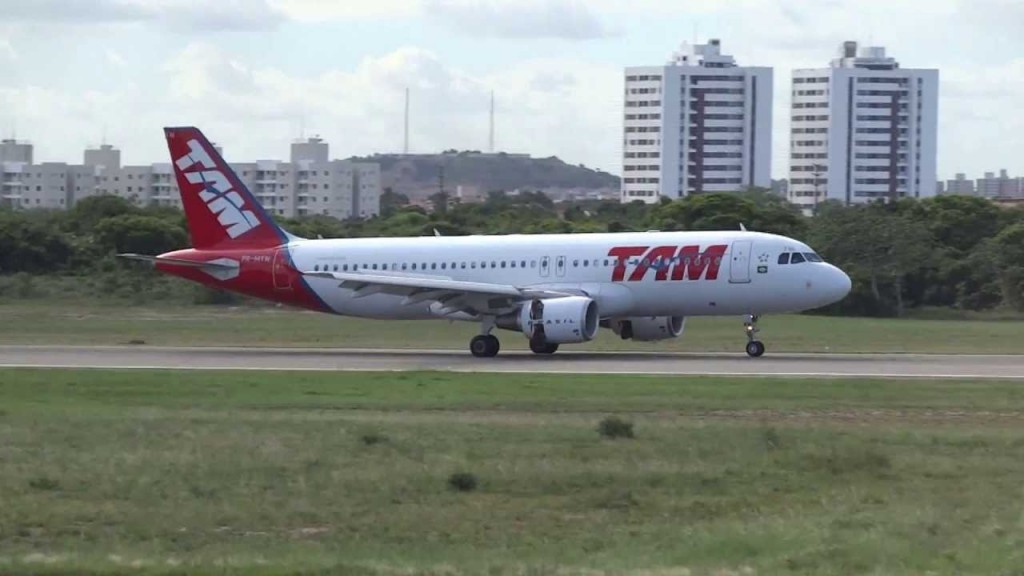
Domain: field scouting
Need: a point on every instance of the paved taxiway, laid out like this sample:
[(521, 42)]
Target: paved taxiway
[(778, 364)]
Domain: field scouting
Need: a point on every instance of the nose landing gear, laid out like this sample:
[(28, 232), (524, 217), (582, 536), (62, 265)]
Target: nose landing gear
[(755, 348)]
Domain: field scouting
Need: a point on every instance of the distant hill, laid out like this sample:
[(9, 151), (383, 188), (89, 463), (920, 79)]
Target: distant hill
[(416, 175)]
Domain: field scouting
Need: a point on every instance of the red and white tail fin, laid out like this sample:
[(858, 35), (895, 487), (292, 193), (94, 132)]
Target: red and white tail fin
[(221, 211)]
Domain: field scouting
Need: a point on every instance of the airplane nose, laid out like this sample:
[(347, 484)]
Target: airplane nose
[(839, 285)]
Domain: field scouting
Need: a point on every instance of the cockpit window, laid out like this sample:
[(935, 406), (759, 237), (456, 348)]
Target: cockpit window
[(812, 257), (784, 258), (797, 258)]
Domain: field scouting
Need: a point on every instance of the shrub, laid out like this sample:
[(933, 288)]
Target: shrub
[(462, 482), (371, 438), (615, 427)]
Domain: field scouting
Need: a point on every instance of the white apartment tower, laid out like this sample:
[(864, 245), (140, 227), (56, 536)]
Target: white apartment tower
[(863, 129), (698, 124)]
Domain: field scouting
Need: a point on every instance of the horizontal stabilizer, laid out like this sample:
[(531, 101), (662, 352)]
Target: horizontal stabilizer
[(180, 261)]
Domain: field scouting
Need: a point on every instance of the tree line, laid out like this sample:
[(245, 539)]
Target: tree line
[(954, 252)]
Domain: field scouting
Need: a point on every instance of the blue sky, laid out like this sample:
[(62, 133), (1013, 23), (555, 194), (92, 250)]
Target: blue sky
[(253, 73)]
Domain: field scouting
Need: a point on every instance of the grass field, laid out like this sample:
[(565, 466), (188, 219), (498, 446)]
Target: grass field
[(196, 325), (273, 473)]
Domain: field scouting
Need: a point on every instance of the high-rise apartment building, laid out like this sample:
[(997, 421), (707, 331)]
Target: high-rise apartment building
[(699, 124), (863, 129)]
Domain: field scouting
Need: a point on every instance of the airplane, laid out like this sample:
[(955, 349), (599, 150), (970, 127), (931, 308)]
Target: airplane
[(554, 289)]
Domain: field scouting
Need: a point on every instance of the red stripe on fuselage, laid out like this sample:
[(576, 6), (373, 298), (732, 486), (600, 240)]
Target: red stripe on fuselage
[(256, 275)]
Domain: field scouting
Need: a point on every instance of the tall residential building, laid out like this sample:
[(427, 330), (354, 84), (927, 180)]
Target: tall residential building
[(863, 129), (699, 124)]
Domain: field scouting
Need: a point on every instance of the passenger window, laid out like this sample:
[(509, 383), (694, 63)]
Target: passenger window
[(335, 267), (494, 264), (585, 263), (413, 265), (316, 268), (575, 263), (512, 264), (403, 265), (523, 264), (374, 266), (784, 258), (797, 258), (463, 266), (533, 263), (444, 265), (344, 267), (433, 266), (383, 266)]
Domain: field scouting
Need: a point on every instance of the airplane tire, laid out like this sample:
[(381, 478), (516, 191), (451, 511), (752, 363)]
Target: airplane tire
[(484, 346), (543, 348), (755, 348)]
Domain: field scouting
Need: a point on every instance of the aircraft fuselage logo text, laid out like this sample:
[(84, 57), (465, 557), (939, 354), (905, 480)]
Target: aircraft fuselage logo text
[(225, 203), (669, 262)]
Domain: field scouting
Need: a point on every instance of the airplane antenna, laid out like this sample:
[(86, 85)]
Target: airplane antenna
[(436, 233), (742, 227)]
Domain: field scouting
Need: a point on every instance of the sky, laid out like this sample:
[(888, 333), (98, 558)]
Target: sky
[(255, 75)]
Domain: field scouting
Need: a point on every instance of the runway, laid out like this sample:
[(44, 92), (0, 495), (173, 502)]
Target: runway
[(797, 365)]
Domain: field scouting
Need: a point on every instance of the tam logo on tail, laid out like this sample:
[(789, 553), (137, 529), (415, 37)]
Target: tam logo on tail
[(220, 209), (225, 203)]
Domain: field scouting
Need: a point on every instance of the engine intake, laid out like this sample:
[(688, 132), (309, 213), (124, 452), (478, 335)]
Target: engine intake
[(648, 328), (566, 320)]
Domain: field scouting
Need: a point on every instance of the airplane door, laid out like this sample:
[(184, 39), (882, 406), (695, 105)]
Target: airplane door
[(545, 266), (560, 266), (282, 273), (739, 262)]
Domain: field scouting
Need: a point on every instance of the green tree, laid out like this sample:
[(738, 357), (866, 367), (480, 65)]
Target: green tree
[(139, 234)]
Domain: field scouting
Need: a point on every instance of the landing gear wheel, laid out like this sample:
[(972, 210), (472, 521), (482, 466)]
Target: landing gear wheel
[(543, 347), (484, 346), (755, 348)]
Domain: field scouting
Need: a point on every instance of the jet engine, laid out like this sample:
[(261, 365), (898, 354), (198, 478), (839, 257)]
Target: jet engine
[(647, 328), (566, 320)]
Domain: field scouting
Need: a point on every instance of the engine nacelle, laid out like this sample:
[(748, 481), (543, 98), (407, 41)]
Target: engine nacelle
[(648, 328), (566, 320)]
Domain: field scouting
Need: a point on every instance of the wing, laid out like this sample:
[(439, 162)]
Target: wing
[(454, 295)]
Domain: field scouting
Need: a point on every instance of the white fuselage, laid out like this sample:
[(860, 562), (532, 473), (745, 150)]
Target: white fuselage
[(677, 278)]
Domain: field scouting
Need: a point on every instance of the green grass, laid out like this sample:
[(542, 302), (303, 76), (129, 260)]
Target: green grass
[(63, 323), (348, 473)]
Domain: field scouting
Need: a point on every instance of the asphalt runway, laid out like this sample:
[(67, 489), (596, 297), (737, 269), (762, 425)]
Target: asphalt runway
[(779, 364)]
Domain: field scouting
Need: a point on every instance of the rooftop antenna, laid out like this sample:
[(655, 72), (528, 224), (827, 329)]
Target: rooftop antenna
[(405, 145), (490, 140)]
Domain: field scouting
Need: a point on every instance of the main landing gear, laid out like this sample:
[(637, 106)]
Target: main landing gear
[(755, 348), (484, 346)]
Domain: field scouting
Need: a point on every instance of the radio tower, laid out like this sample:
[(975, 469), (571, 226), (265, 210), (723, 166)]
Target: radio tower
[(405, 146), (490, 139)]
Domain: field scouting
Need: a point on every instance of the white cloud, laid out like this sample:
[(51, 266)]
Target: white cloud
[(568, 19), (7, 51), (182, 14), (114, 58), (325, 10)]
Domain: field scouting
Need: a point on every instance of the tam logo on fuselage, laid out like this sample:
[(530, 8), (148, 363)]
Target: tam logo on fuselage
[(670, 262), (226, 204)]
